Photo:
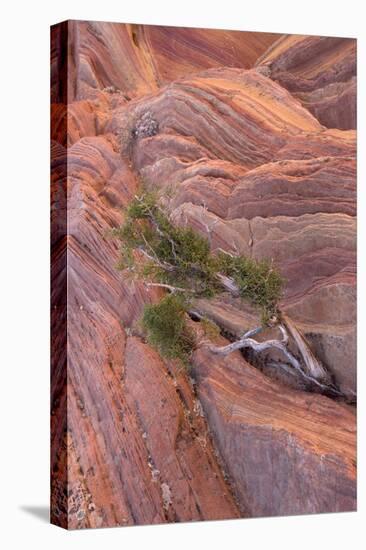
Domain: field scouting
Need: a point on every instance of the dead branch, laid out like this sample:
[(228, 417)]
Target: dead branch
[(228, 284), (169, 287), (247, 342), (313, 367), (225, 252), (252, 332), (163, 265)]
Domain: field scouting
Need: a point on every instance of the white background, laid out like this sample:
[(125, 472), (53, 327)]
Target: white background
[(24, 272)]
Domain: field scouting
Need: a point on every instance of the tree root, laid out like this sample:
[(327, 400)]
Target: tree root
[(313, 371)]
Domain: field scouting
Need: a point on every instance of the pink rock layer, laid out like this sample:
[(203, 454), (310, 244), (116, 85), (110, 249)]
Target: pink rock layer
[(248, 162)]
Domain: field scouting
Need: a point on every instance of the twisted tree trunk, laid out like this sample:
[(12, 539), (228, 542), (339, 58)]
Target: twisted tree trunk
[(312, 365)]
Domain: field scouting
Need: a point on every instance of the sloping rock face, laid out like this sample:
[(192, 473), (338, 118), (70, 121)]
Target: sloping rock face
[(138, 59), (244, 159), (137, 453), (256, 173), (320, 72), (288, 464)]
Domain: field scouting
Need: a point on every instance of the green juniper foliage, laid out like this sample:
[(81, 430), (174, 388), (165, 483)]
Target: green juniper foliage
[(167, 330), (210, 328), (257, 280), (180, 257), (176, 256)]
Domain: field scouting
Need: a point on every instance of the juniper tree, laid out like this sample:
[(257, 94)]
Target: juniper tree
[(179, 260)]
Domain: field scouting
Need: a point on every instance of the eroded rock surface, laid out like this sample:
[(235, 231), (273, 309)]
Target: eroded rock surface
[(320, 72), (257, 160), (291, 462)]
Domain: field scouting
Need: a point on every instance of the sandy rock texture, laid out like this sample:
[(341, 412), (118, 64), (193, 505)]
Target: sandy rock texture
[(320, 72), (251, 137)]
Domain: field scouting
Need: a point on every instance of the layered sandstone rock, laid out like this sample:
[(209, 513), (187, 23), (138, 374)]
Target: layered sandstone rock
[(241, 160), (291, 462), (132, 60), (320, 72), (286, 191)]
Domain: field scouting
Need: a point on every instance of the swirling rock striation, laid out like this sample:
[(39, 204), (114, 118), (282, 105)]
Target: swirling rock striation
[(288, 461), (320, 72), (242, 161), (119, 441), (235, 170)]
